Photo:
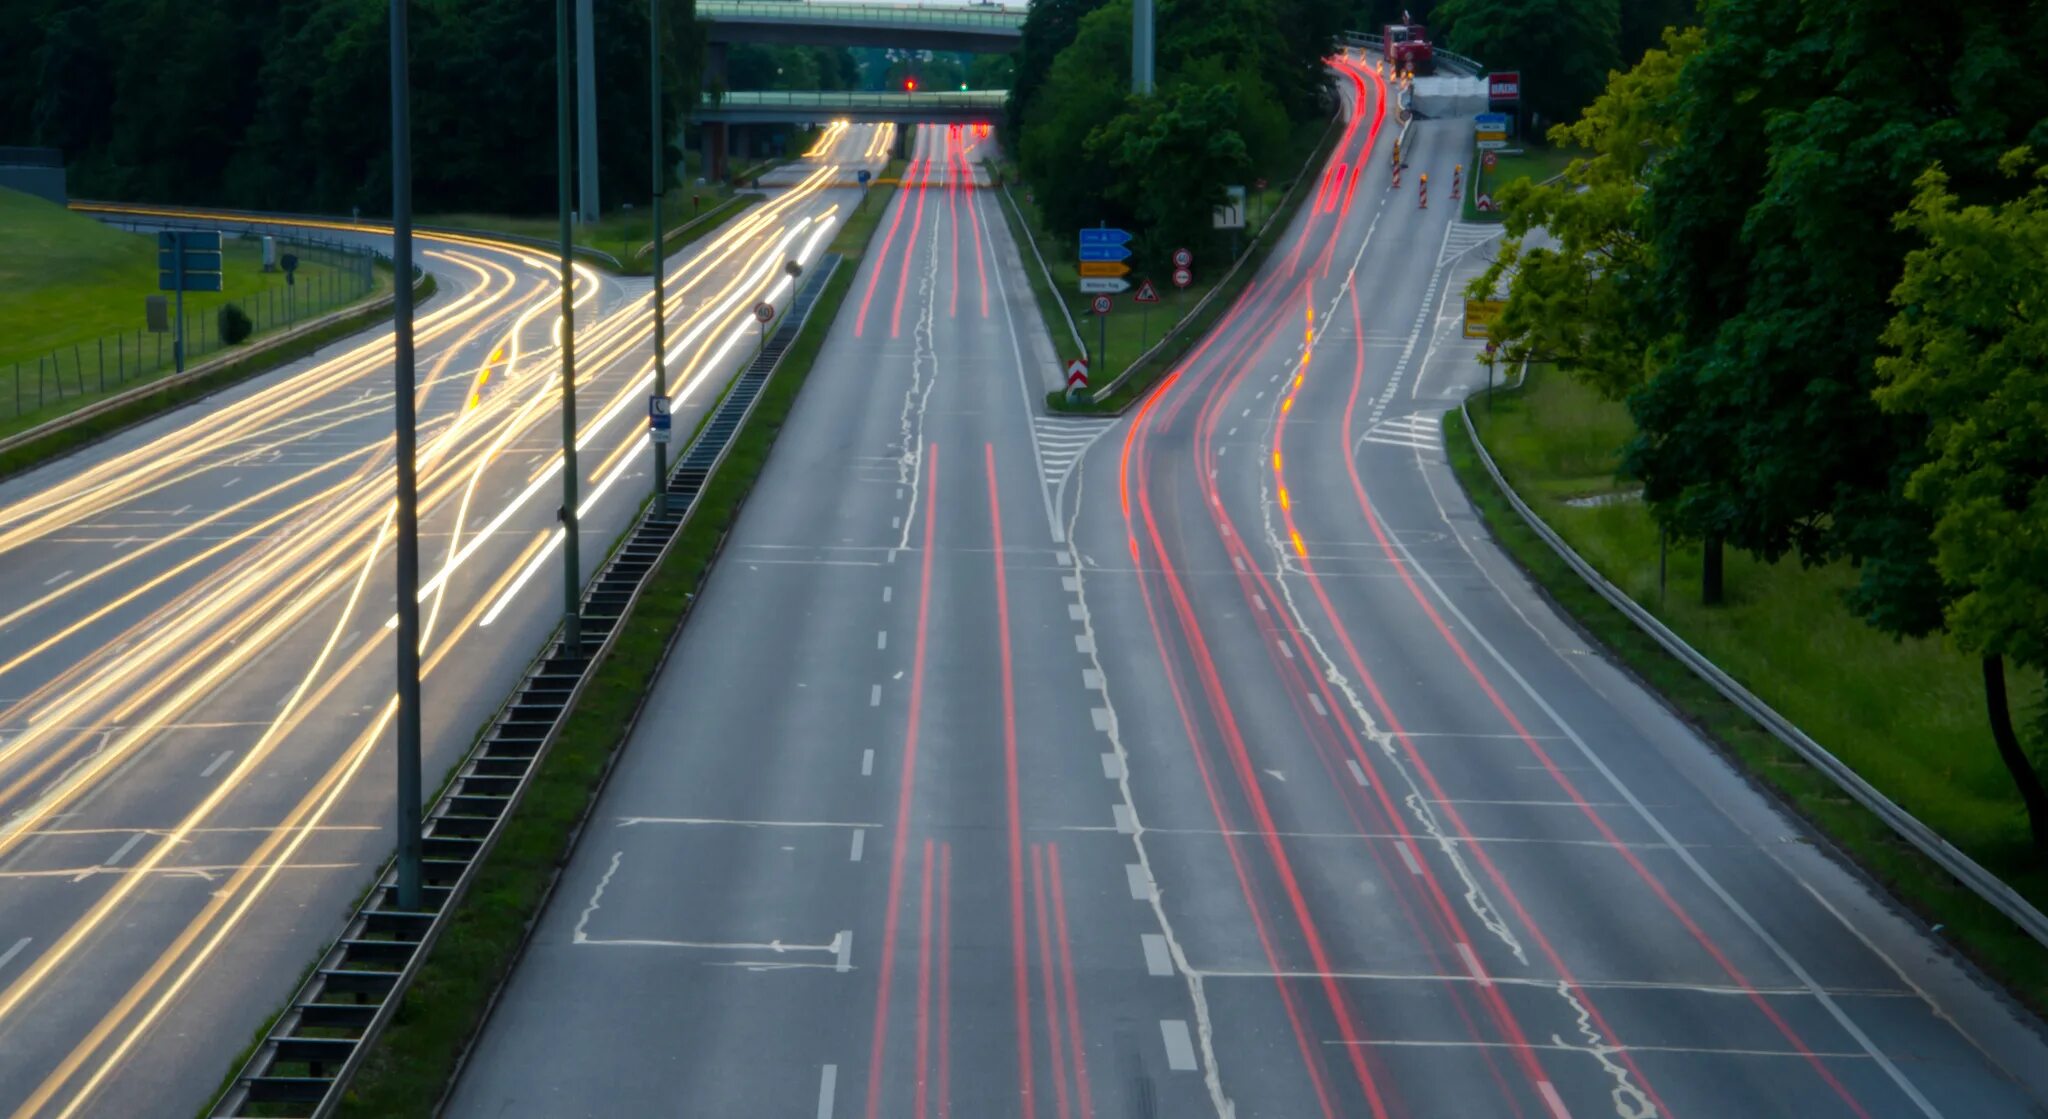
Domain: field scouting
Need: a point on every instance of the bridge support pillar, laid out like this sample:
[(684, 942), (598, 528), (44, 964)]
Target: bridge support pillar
[(906, 138), (713, 138)]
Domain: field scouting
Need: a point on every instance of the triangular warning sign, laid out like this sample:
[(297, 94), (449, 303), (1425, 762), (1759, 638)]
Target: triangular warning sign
[(1146, 293)]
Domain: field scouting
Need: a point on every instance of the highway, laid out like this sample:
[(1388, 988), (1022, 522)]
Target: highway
[(1209, 761), (195, 648)]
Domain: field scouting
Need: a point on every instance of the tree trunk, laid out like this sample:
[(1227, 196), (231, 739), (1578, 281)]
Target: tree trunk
[(2013, 755), (1710, 572)]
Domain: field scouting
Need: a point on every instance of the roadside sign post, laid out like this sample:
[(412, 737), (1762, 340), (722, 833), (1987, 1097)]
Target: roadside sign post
[(764, 311), (186, 261), (1146, 297), (660, 169), (1077, 378), (658, 420), (1102, 330), (407, 546)]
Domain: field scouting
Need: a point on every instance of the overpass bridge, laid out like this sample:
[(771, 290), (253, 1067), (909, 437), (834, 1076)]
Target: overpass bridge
[(911, 26), (718, 117)]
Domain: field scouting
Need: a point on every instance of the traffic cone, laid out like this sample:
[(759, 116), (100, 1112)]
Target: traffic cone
[(1457, 182)]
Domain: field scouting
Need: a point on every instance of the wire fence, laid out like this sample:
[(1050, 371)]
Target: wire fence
[(330, 274)]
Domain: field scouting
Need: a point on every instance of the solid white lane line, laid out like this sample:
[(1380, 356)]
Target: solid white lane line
[(1112, 767), (57, 577), (1140, 882), (218, 761), (7, 957), (867, 763), (1157, 961), (881, 639), (875, 695), (1357, 774), (828, 1084), (860, 840), (1180, 1049)]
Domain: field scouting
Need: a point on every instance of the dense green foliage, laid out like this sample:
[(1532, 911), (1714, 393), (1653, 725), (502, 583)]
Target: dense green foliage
[(1740, 294), (1231, 76), (1564, 48), (283, 104)]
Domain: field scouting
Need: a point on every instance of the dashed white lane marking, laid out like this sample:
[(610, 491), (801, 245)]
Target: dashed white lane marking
[(1112, 767), (125, 541), (230, 483), (1091, 679), (1472, 964), (1075, 612), (1316, 702), (1083, 643), (1062, 559), (828, 1084), (842, 960), (887, 592), (1408, 857), (219, 760), (1551, 1100), (895, 523), (1125, 822), (1237, 562), (1070, 583), (1258, 602), (1100, 717), (867, 763), (1180, 1049), (1157, 961), (180, 510), (65, 574), (1140, 881), (7, 957), (127, 847), (874, 695), (1284, 650), (860, 841), (1357, 774), (881, 639)]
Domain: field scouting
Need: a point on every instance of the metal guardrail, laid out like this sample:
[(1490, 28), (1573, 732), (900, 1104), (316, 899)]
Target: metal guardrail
[(1032, 240), (1966, 870), (305, 1061), (1366, 40), (978, 17)]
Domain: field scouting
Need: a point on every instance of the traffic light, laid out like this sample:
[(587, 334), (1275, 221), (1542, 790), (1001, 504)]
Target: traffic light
[(910, 85)]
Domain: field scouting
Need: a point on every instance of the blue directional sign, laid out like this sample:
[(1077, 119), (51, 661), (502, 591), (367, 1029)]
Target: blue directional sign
[(1104, 237), (1104, 252), (188, 261), (1490, 122)]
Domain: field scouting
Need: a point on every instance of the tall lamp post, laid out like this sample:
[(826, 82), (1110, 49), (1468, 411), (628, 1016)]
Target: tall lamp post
[(654, 86), (572, 625), (408, 544)]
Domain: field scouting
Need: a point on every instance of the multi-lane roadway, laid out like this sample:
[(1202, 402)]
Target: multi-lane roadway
[(1207, 761), (195, 649)]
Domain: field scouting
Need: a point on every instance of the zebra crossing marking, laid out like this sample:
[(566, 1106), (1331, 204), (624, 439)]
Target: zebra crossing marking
[(1061, 442), (1414, 431)]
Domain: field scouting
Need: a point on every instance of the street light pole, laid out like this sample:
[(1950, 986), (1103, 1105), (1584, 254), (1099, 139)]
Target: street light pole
[(660, 239), (408, 543), (572, 625)]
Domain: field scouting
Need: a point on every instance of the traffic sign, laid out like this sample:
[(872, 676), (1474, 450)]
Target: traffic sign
[(1483, 202), (764, 311), (1505, 85), (1488, 160), (1492, 145), (188, 261), (1146, 293), (1105, 252), (1183, 258), (1105, 236), (1100, 285), (1182, 277), (195, 261), (1230, 215), (1479, 314), (1077, 373), (1490, 122), (862, 176), (1104, 268), (1102, 304), (658, 418)]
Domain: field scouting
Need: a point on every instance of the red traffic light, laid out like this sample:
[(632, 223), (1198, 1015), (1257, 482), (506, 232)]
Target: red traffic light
[(910, 84)]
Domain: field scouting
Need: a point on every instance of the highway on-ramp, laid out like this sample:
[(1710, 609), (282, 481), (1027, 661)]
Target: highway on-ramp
[(1210, 761), (195, 651)]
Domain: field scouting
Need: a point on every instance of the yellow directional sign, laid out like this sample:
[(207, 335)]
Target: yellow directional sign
[(1480, 313), (1104, 268)]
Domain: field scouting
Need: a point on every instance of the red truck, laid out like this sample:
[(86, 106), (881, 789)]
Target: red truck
[(1407, 47)]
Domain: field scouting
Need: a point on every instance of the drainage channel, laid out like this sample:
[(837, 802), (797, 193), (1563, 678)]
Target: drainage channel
[(306, 1060)]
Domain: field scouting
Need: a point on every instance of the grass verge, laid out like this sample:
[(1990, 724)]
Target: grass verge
[(1532, 162), (409, 1067), (35, 452), (1784, 633), (623, 233)]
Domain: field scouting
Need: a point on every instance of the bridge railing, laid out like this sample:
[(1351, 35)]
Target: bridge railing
[(1366, 40), (975, 16), (990, 99)]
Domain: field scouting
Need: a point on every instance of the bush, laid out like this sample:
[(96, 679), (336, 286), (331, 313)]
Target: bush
[(235, 326)]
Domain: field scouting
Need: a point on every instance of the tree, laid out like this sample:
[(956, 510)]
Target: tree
[(1084, 91), (1643, 23), (1971, 335), (1050, 26), (1564, 48), (1585, 301), (1172, 154)]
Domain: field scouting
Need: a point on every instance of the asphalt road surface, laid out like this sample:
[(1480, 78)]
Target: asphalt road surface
[(1209, 761), (195, 767)]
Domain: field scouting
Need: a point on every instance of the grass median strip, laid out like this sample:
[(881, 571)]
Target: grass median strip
[(1879, 705), (410, 1066)]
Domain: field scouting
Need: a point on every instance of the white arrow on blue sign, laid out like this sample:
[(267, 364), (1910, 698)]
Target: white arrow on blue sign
[(1104, 237), (1105, 252), (1490, 122)]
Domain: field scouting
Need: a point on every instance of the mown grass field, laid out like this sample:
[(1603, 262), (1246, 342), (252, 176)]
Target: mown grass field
[(1907, 715)]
